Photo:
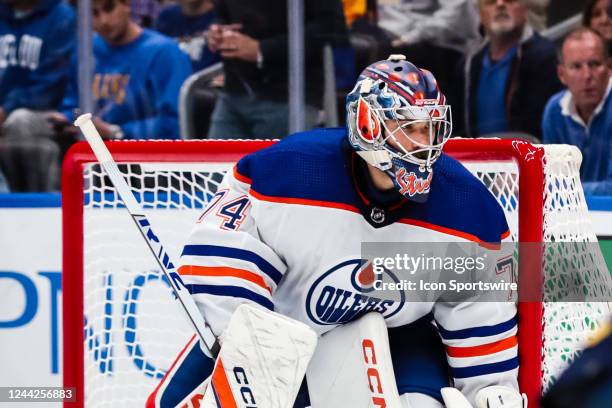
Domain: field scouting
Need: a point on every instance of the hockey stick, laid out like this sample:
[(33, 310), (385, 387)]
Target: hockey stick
[(183, 296), (264, 354)]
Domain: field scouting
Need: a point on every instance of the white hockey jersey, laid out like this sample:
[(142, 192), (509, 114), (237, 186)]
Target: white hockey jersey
[(285, 231)]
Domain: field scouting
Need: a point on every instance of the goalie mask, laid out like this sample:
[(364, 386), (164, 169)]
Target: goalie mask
[(398, 122)]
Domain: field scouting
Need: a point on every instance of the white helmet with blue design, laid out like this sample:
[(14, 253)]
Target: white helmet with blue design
[(392, 98)]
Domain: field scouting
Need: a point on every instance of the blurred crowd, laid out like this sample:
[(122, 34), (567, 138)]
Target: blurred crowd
[(501, 75)]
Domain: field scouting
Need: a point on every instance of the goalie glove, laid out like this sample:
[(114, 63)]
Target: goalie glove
[(495, 396)]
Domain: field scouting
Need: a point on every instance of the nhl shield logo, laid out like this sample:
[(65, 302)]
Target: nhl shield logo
[(377, 215), (347, 291)]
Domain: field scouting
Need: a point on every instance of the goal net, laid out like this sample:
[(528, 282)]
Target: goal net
[(123, 329)]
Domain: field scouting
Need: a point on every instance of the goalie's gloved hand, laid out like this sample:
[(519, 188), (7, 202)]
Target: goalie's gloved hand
[(495, 396), (498, 396)]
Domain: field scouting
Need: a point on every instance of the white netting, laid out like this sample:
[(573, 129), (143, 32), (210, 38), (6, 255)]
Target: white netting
[(574, 247), (567, 325), (134, 328), (502, 180)]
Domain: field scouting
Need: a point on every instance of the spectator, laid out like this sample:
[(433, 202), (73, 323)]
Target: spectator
[(506, 81), (29, 156), (37, 38), (582, 114), (433, 33), (596, 16), (188, 23), (252, 39), (138, 74)]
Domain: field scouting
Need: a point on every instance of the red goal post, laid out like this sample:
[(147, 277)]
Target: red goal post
[(90, 362)]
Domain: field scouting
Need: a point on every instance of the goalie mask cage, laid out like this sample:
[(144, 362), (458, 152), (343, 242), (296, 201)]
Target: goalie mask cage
[(122, 328)]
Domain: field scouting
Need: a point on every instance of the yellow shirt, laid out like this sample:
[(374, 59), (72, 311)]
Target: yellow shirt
[(353, 9)]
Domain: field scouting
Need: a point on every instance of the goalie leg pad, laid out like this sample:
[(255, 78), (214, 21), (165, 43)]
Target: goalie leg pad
[(352, 367), (262, 362)]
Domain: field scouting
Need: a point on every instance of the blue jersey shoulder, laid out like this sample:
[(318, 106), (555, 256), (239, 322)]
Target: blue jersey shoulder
[(310, 165), (315, 165), (459, 201)]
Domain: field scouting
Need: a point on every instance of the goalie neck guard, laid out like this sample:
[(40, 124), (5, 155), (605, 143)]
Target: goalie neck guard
[(398, 122)]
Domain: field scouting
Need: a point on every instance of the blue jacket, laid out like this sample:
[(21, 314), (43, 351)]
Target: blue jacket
[(532, 81), (561, 124), (136, 86), (35, 51)]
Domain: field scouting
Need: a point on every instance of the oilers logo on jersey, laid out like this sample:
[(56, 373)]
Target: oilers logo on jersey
[(344, 293)]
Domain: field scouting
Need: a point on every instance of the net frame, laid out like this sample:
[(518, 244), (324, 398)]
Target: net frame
[(531, 182)]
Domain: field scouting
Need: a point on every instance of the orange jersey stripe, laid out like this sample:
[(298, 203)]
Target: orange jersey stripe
[(482, 350), (222, 387), (449, 231), (240, 177), (303, 201), (191, 270)]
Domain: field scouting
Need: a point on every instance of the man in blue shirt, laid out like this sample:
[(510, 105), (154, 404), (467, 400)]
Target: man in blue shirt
[(504, 83), (137, 77), (37, 39), (582, 114)]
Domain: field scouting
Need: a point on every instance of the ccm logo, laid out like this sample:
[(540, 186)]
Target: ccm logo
[(369, 357), (245, 391)]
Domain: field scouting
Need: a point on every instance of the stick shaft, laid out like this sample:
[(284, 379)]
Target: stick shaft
[(183, 296)]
